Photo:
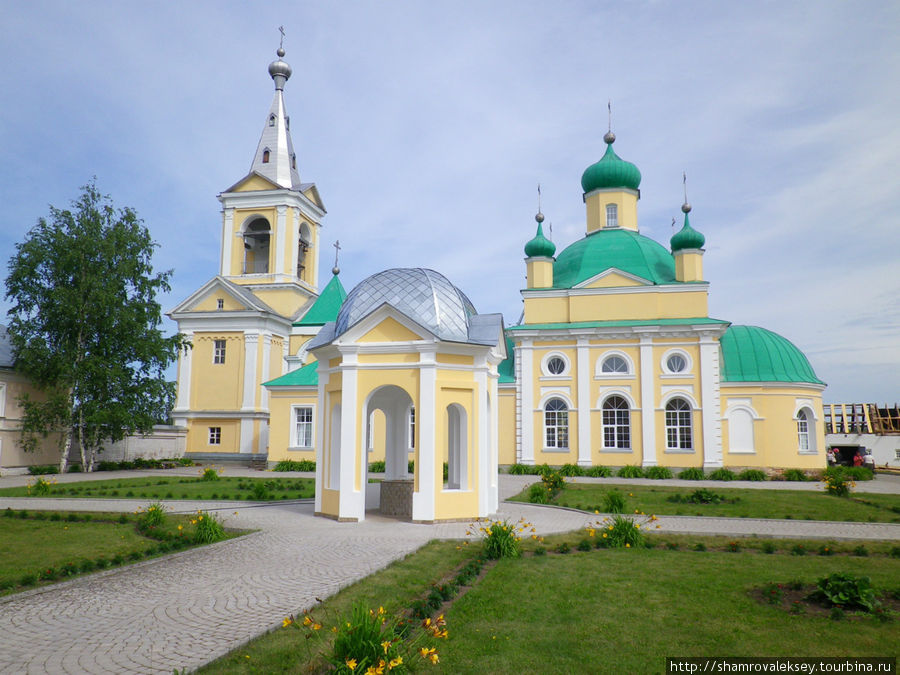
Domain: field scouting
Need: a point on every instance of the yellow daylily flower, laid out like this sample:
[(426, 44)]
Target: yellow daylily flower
[(351, 664)]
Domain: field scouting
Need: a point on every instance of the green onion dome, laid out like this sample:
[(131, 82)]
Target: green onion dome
[(611, 171), (540, 246), (687, 236)]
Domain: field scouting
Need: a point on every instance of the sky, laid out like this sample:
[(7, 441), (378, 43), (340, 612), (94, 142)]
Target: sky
[(427, 127)]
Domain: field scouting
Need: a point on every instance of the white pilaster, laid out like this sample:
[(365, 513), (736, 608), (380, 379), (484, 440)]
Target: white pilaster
[(423, 498), (246, 441), (352, 501), (710, 401), (227, 241), (483, 448), (494, 405), (323, 436), (583, 369), (266, 355), (648, 402), (251, 341), (285, 353), (183, 400), (526, 385), (280, 237)]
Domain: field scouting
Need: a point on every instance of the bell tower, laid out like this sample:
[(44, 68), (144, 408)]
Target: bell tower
[(271, 219)]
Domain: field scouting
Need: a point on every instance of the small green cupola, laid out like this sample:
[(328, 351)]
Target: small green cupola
[(687, 237), (540, 246), (611, 171)]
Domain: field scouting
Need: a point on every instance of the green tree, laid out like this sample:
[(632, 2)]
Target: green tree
[(85, 327)]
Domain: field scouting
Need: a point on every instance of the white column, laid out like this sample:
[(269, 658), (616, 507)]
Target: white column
[(183, 400), (352, 501), (648, 402), (285, 352), (227, 240), (322, 435), (423, 498), (526, 386), (710, 401), (280, 238), (583, 367), (483, 441), (494, 469), (266, 355), (251, 341)]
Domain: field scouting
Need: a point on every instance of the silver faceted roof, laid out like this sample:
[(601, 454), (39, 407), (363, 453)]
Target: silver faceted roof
[(425, 296)]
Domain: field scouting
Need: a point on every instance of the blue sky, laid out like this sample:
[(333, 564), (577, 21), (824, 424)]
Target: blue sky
[(428, 125)]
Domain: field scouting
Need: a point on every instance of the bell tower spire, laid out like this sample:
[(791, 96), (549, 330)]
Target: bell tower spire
[(275, 158)]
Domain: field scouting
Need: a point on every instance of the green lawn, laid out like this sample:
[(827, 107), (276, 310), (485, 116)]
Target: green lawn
[(749, 503), (616, 611), (176, 487), (44, 547)]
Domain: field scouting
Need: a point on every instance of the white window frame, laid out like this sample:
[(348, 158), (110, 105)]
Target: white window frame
[(743, 407), (295, 432), (601, 375), (2, 399), (545, 366), (803, 444), (557, 425), (215, 436), (612, 215), (805, 414), (219, 349), (688, 363), (616, 426), (675, 425)]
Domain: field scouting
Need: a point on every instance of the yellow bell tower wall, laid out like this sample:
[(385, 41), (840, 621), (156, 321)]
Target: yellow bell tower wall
[(626, 209)]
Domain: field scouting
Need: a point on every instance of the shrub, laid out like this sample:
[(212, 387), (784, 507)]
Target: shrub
[(377, 467), (658, 472), (500, 538), (700, 546), (630, 471), (208, 528), (74, 468), (584, 545), (43, 470), (411, 466), (260, 491), (295, 465), (704, 496), (563, 548), (768, 547), (106, 465), (613, 502), (838, 483), (126, 465), (40, 487), (154, 516), (570, 470), (210, 473), (621, 531), (798, 549), (895, 552), (794, 475), (861, 551), (48, 574), (538, 494), (845, 590), (184, 461), (773, 593), (733, 547), (599, 472), (554, 481), (518, 470), (825, 549), (27, 580), (540, 550), (693, 473), (722, 474), (859, 472), (752, 474)]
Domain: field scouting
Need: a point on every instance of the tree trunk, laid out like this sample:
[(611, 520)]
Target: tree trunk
[(67, 446), (87, 454)]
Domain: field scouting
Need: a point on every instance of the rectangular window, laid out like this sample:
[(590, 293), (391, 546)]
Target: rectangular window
[(215, 435), (219, 351), (412, 428), (303, 427), (612, 215)]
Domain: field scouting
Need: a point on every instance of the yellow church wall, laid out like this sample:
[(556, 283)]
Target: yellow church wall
[(613, 280), (369, 359), (281, 423), (240, 218), (456, 359), (285, 301), (276, 360), (219, 386), (689, 267), (636, 306), (595, 206), (390, 330), (210, 303), (546, 310), (614, 457), (198, 435), (296, 342), (379, 436), (331, 500), (506, 426), (254, 183), (679, 458), (453, 504), (775, 434), (539, 273)]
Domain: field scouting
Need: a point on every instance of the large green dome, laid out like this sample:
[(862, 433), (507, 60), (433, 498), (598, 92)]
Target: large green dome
[(615, 248), (754, 354), (610, 172)]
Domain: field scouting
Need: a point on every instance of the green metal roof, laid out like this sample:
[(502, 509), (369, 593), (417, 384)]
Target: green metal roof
[(754, 354), (625, 250), (302, 377), (611, 172), (507, 367), (326, 306), (540, 246), (694, 321), (687, 237)]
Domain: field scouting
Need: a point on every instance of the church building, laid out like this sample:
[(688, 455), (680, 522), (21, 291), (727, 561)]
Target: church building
[(615, 362)]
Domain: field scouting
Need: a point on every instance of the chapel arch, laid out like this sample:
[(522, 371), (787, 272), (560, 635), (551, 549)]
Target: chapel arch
[(257, 236)]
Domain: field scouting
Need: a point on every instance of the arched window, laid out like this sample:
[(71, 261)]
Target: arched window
[(614, 364), (616, 424), (294, 161), (457, 453), (803, 431), (612, 215), (265, 156), (256, 247), (556, 424), (679, 435), (272, 120), (740, 431)]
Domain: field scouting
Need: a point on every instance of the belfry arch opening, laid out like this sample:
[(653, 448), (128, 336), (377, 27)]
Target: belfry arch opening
[(395, 497), (257, 235), (304, 244)]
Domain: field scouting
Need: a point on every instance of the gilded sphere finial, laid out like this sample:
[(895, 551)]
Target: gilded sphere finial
[(335, 270), (539, 217), (609, 138), (280, 52), (686, 208)]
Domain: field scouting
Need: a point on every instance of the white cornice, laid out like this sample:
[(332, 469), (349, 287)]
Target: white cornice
[(615, 290), (257, 199), (774, 385)]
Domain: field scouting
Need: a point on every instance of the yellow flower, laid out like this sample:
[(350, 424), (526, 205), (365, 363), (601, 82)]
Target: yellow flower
[(288, 620), (307, 621), (317, 626), (351, 664), (423, 652), (433, 658), (386, 645), (393, 663), (380, 610), (181, 527), (604, 535), (627, 545)]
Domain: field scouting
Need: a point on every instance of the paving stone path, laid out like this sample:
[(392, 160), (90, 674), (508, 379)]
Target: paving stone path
[(186, 609)]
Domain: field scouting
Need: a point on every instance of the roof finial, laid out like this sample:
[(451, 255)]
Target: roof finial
[(279, 70), (686, 207), (609, 137), (539, 217), (337, 247), (280, 51)]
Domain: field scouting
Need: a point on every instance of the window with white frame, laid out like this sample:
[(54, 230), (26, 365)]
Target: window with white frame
[(219, 351), (555, 365), (556, 424), (614, 364), (612, 215), (679, 434), (803, 431), (215, 435), (412, 427), (676, 362), (303, 427), (616, 419)]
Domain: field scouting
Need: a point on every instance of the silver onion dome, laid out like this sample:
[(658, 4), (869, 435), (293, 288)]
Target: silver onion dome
[(280, 70)]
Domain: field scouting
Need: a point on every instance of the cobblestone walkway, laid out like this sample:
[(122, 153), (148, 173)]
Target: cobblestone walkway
[(189, 608)]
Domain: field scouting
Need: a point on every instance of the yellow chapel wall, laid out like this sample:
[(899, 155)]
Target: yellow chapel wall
[(601, 387), (281, 421), (646, 306), (625, 201), (217, 386), (506, 424), (456, 387), (197, 439), (545, 386)]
